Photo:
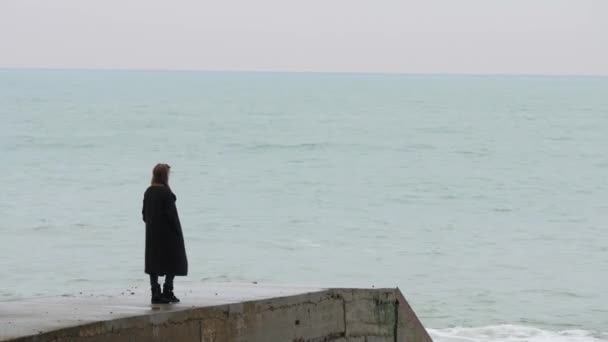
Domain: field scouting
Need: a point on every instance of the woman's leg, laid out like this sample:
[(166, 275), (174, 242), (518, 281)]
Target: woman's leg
[(153, 280), (168, 286)]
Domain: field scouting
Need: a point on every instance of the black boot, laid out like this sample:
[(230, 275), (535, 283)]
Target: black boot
[(168, 294), (157, 296)]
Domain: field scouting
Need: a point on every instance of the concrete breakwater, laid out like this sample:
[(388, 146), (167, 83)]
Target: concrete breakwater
[(216, 313)]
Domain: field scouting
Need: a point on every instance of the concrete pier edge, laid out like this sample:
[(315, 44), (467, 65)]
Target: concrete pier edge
[(258, 314)]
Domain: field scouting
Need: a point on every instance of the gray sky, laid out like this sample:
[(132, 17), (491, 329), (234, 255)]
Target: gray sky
[(426, 36)]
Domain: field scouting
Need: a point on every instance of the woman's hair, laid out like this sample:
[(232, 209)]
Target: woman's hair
[(160, 174)]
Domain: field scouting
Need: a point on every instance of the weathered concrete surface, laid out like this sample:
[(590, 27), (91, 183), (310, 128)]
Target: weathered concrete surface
[(216, 313)]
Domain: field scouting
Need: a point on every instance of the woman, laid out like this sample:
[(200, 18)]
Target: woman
[(165, 250)]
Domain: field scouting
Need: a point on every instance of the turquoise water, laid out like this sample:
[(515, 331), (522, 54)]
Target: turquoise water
[(484, 198)]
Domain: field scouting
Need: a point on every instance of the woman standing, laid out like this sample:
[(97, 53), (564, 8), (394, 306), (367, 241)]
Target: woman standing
[(165, 250)]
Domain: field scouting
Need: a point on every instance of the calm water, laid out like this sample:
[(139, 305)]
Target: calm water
[(484, 198)]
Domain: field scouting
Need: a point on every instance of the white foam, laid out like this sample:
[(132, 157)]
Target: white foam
[(513, 333)]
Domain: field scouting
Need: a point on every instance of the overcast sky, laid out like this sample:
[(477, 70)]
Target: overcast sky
[(426, 36)]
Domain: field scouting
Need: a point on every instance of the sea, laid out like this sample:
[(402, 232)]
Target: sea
[(483, 198)]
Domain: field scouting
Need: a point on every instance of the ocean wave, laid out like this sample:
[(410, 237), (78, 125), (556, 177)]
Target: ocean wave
[(514, 333)]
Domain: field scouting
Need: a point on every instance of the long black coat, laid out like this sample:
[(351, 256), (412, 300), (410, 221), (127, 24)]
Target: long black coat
[(165, 250)]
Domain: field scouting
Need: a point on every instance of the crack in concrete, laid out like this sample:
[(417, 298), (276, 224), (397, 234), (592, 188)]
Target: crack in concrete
[(396, 328), (344, 316)]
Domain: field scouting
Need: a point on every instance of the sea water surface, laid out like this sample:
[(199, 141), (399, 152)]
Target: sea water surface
[(484, 198)]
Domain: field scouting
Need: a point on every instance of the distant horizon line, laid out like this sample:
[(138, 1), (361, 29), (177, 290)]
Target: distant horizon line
[(379, 73)]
